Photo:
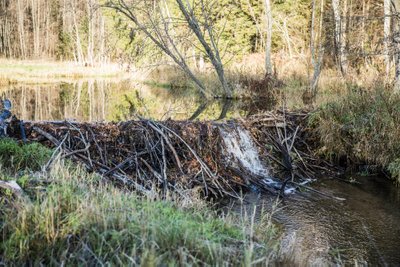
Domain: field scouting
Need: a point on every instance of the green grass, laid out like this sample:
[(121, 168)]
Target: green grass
[(363, 126), (76, 218), (15, 157)]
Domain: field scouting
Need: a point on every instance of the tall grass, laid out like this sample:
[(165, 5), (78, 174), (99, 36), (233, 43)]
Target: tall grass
[(78, 219), (363, 126)]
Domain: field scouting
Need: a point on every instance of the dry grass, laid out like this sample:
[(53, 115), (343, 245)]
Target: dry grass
[(16, 71), (363, 127)]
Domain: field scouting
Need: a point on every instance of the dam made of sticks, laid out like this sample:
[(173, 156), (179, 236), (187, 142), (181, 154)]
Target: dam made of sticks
[(267, 152)]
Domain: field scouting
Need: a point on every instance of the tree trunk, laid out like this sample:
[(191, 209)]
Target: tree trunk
[(396, 42), (268, 18), (386, 30), (316, 61), (340, 44), (210, 49), (21, 28)]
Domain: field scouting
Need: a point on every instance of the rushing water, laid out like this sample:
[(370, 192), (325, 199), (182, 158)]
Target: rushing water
[(363, 228)]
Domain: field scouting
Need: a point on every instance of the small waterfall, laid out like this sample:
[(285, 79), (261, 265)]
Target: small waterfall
[(240, 150)]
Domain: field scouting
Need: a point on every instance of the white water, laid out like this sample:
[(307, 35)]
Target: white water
[(240, 148), (240, 151)]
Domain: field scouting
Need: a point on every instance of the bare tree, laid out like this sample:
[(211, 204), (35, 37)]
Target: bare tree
[(340, 28), (154, 23), (396, 41), (268, 18), (211, 49), (386, 30), (316, 55), (148, 23)]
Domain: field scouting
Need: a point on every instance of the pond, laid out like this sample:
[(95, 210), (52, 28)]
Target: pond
[(107, 100)]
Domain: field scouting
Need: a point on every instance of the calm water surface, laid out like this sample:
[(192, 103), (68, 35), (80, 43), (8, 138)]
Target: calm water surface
[(104, 100)]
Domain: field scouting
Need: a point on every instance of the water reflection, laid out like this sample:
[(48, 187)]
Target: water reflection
[(104, 100)]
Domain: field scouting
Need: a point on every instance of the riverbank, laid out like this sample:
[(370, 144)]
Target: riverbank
[(42, 71), (362, 128), (68, 216)]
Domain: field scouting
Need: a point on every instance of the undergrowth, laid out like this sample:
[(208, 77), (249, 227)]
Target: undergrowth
[(363, 127), (76, 218)]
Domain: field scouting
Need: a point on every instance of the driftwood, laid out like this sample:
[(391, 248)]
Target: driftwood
[(174, 155)]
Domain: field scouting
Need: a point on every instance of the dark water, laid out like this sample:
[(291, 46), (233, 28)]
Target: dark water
[(318, 231), (105, 100), (363, 229)]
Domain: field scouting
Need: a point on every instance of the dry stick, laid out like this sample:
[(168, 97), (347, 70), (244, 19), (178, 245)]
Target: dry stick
[(103, 169), (54, 155), (204, 166), (97, 145), (77, 151), (87, 145), (178, 162), (161, 180), (164, 165), (122, 164)]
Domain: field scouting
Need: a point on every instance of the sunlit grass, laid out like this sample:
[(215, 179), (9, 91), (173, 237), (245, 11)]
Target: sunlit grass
[(14, 71)]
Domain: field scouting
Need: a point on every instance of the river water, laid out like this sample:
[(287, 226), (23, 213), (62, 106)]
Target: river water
[(364, 228)]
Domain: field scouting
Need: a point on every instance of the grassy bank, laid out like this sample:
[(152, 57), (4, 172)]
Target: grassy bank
[(76, 218), (40, 71), (363, 127)]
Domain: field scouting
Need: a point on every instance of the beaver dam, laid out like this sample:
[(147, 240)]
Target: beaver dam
[(242, 163), (266, 152)]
